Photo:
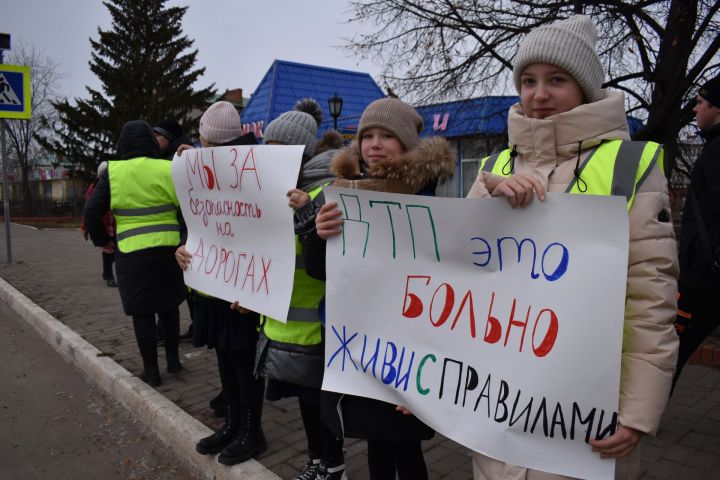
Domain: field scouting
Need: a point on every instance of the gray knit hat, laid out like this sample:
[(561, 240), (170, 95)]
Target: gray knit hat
[(568, 44), (393, 115), (220, 123), (297, 127)]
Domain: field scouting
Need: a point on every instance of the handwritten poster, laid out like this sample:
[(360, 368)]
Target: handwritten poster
[(240, 227), (499, 328)]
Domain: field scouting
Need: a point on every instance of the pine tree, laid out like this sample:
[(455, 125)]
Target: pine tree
[(146, 70)]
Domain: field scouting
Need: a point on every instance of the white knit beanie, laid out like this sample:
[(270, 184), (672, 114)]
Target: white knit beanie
[(220, 123), (297, 127), (568, 44)]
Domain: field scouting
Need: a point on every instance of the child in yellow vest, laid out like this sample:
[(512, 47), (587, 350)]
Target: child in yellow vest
[(563, 115)]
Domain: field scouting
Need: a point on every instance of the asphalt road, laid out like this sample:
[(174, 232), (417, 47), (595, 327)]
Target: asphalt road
[(55, 425)]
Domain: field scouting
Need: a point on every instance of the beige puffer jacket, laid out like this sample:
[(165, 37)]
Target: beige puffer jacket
[(548, 149)]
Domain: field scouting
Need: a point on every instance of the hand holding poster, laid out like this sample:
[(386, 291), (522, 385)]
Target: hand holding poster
[(496, 327), (240, 227)]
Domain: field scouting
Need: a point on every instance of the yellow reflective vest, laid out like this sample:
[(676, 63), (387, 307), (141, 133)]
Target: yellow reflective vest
[(303, 326), (144, 203), (614, 167)]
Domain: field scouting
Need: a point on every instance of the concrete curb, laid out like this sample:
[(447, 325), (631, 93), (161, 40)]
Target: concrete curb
[(169, 422)]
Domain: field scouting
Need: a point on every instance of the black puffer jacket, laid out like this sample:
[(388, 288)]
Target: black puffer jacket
[(149, 280), (695, 259)]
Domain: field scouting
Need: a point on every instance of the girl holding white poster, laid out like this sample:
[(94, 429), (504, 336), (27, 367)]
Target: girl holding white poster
[(231, 333), (569, 135), (291, 354), (388, 157)]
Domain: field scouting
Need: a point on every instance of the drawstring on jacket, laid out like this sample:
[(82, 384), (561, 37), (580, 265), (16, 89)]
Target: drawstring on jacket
[(582, 186), (510, 161)]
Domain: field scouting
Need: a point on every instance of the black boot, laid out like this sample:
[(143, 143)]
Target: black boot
[(217, 405), (173, 358), (223, 437), (173, 362), (159, 335), (249, 442), (151, 374), (169, 322), (144, 327)]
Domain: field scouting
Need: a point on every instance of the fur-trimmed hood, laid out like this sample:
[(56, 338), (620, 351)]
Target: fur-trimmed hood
[(431, 160)]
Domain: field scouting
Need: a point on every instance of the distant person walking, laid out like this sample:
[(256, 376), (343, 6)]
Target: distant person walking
[(138, 188), (700, 235), (108, 252)]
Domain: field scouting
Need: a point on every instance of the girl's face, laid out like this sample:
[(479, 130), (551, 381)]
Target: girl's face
[(378, 144), (547, 90)]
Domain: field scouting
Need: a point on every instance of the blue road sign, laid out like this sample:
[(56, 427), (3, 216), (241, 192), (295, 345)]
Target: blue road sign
[(15, 95)]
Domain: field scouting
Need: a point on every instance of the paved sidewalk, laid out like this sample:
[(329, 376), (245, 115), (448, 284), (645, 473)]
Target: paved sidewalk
[(62, 274)]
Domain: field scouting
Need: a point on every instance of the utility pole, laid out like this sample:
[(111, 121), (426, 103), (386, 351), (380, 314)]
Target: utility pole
[(5, 45), (6, 190)]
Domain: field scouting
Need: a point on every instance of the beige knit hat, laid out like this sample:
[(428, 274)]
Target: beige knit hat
[(393, 115), (568, 44), (220, 123)]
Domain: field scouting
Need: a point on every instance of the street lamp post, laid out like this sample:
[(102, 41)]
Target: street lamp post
[(335, 104)]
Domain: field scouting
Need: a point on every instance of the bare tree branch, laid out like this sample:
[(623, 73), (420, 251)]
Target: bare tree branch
[(435, 50), (23, 133)]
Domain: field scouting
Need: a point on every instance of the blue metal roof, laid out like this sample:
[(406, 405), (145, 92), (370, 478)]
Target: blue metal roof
[(474, 116), (287, 82)]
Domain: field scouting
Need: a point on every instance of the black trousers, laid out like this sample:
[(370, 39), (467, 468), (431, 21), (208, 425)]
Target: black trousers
[(697, 318), (240, 388), (146, 335), (404, 458), (108, 259), (321, 442)]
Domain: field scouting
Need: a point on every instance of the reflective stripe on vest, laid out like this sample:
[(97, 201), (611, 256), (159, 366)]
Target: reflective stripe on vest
[(629, 163), (303, 326), (487, 164), (138, 212), (143, 200), (615, 167)]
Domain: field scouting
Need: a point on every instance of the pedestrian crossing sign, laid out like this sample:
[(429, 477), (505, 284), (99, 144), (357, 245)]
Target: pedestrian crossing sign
[(15, 92)]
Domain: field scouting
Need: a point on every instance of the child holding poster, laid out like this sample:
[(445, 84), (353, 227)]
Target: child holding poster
[(568, 134), (291, 354), (388, 157), (231, 333)]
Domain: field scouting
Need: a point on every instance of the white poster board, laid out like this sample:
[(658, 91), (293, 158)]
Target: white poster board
[(431, 306), (240, 227)]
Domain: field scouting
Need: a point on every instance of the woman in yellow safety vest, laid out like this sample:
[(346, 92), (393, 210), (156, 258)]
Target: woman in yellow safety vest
[(138, 189), (568, 134)]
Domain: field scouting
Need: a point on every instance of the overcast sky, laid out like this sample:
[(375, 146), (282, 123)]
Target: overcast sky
[(237, 40)]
